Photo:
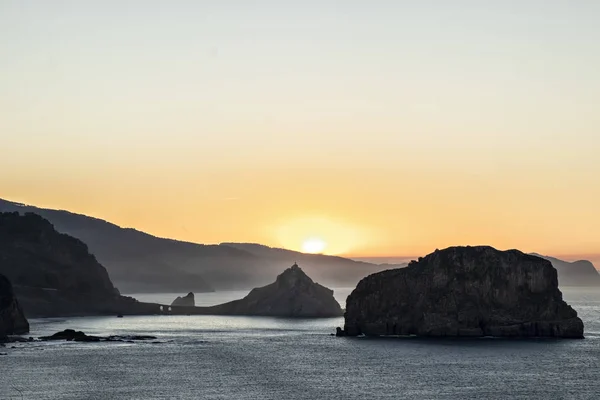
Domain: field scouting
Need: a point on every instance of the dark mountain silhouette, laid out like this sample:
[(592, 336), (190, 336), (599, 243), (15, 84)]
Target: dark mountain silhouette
[(577, 273), (139, 262)]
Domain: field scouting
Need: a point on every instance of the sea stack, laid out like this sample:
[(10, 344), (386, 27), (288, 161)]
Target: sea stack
[(293, 294), (463, 291), (185, 301), (12, 319)]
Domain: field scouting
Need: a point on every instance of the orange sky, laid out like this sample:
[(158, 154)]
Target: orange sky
[(388, 130), (356, 211)]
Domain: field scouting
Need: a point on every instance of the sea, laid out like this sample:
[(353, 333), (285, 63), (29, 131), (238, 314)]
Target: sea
[(213, 357)]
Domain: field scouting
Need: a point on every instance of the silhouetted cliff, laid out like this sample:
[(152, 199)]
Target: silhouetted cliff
[(464, 291), (12, 318), (52, 273)]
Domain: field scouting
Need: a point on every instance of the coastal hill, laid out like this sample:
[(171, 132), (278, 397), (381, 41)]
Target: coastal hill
[(139, 262), (44, 273), (51, 273), (463, 291)]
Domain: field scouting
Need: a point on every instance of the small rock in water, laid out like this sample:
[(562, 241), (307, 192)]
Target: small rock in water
[(128, 338), (72, 335), (78, 336), (185, 301), (18, 339)]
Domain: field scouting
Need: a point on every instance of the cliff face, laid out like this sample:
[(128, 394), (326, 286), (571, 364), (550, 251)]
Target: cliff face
[(293, 294), (52, 273), (12, 319), (464, 291)]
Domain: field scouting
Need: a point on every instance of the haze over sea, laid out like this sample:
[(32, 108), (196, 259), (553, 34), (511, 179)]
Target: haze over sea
[(215, 357)]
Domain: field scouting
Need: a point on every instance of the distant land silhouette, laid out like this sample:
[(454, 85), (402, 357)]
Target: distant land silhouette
[(577, 273), (139, 262)]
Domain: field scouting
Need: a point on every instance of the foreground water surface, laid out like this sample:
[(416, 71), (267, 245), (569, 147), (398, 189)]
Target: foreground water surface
[(209, 357)]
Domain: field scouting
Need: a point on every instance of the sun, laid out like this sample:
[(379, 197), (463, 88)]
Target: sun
[(313, 245)]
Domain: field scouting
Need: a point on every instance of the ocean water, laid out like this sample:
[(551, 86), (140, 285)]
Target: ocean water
[(209, 357)]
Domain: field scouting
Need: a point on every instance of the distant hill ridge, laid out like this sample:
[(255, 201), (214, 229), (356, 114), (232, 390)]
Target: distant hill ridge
[(139, 262), (268, 251), (576, 273)]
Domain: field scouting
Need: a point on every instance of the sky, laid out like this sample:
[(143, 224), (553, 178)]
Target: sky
[(365, 128)]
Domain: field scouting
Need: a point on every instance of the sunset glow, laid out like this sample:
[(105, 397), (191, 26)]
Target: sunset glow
[(339, 126), (314, 246)]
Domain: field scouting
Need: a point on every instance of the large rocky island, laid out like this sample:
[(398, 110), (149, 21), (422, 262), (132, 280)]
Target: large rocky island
[(12, 319), (464, 291)]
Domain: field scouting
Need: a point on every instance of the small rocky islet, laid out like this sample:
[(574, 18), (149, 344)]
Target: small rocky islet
[(292, 295), (78, 336), (185, 301)]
